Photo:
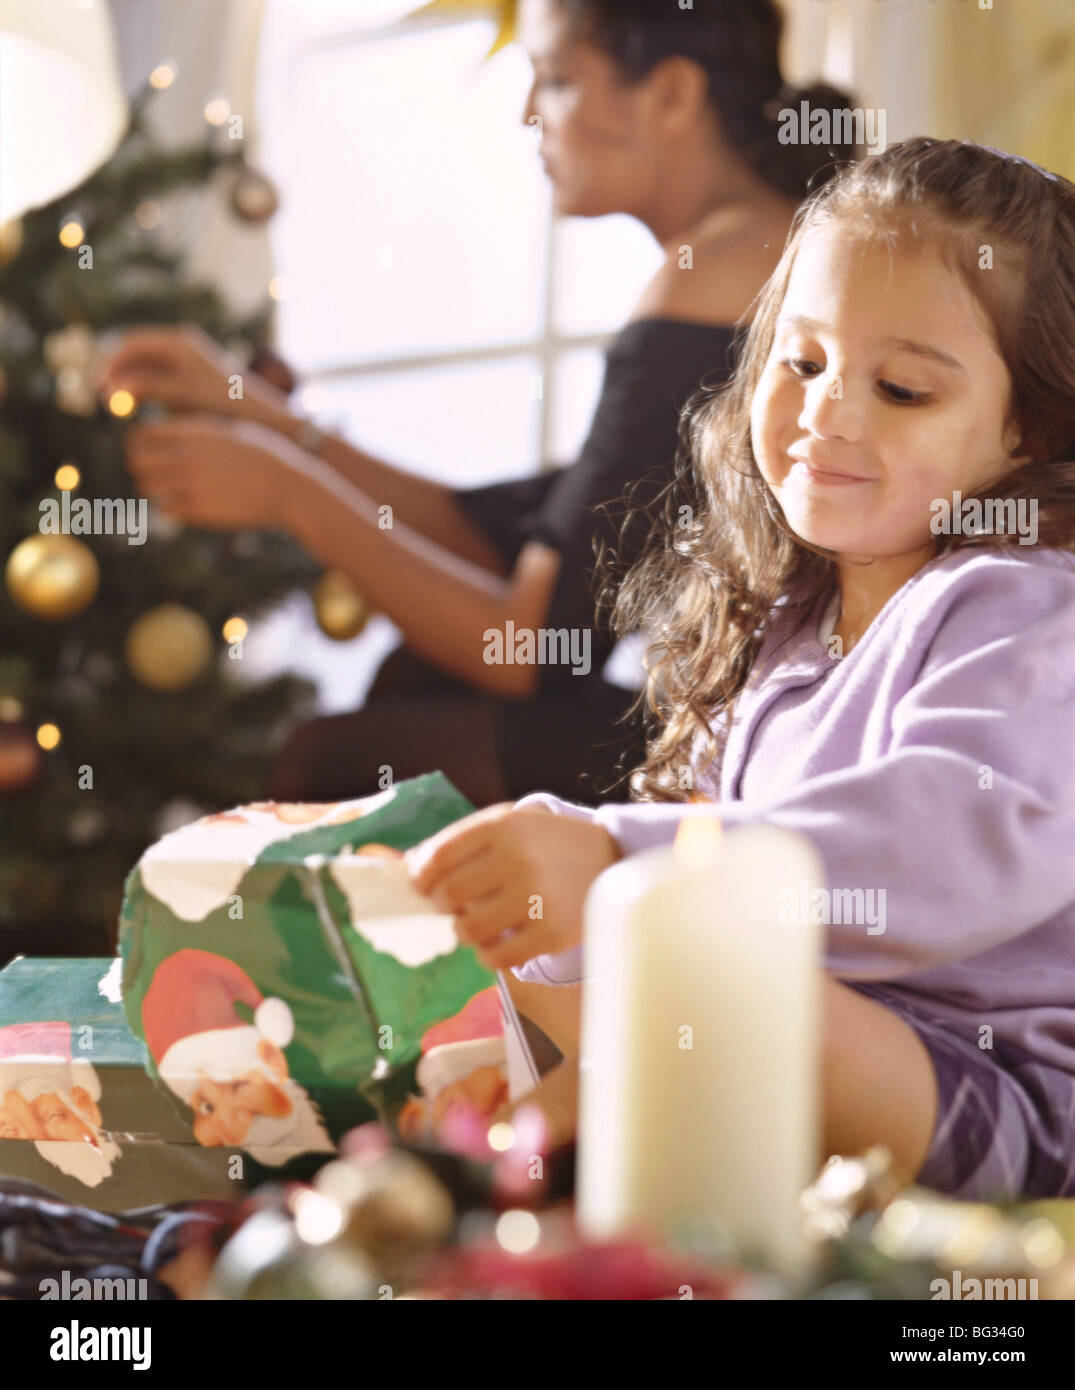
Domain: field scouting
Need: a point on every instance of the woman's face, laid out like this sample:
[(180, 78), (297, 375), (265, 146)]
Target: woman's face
[(597, 132), (884, 376)]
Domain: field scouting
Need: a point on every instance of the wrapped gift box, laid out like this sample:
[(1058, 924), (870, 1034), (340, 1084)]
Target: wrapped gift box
[(289, 983)]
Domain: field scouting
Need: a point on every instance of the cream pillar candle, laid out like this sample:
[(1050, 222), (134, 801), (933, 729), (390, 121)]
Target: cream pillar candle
[(699, 1062)]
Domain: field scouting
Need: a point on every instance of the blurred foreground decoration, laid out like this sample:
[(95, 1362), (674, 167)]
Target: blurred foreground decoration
[(389, 1222), (130, 740)]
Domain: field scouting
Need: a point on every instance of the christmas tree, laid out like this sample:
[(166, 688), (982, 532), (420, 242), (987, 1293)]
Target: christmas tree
[(122, 707)]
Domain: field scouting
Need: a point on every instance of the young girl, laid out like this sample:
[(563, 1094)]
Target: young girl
[(837, 651)]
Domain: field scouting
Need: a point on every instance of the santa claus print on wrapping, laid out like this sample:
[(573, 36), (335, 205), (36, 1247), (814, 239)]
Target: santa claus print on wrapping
[(312, 906), (51, 1097), (464, 1063), (233, 1073)]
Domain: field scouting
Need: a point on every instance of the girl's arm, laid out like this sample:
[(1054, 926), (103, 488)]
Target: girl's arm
[(966, 823)]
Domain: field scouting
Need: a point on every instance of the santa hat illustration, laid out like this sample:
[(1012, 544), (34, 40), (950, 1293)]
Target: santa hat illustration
[(36, 1060), (193, 1028), (470, 1039)]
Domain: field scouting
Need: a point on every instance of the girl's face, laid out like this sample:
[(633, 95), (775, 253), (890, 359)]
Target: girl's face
[(597, 132), (882, 394)]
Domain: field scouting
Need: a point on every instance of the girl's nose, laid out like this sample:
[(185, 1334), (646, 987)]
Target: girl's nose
[(832, 408)]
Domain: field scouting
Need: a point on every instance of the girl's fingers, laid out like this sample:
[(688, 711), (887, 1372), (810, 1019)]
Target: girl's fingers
[(428, 862), (528, 940), (484, 920), (475, 878)]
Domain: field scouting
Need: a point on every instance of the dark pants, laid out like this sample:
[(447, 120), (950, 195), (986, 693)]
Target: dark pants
[(417, 719)]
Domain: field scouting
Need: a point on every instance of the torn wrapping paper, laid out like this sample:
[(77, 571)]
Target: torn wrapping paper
[(287, 979)]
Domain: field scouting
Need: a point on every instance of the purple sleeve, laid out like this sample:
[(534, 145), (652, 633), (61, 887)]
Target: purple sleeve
[(967, 821)]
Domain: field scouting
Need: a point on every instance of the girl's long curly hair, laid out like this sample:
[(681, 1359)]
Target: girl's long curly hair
[(720, 553)]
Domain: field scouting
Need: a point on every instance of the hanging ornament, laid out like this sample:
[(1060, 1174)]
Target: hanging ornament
[(253, 196), (71, 354), (10, 240), (168, 647), (340, 609), (52, 577), (21, 758)]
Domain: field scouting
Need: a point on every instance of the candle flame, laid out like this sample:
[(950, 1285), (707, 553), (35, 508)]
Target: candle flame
[(697, 840)]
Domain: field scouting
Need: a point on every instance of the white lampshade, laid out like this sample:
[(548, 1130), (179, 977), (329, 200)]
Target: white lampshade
[(62, 108)]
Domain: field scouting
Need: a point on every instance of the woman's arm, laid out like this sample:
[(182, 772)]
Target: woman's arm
[(426, 506), (185, 370), (448, 607)]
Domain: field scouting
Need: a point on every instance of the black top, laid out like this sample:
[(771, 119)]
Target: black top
[(652, 368)]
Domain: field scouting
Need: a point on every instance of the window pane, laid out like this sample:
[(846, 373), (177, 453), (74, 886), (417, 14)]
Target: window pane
[(465, 424), (577, 385), (414, 215), (602, 266)]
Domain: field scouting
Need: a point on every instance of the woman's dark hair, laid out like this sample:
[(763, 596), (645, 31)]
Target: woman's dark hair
[(737, 43), (706, 588)]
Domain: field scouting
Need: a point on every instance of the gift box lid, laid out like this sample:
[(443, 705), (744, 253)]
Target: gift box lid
[(41, 993)]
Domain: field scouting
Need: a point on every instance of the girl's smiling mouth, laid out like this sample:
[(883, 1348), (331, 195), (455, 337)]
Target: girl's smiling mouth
[(824, 477)]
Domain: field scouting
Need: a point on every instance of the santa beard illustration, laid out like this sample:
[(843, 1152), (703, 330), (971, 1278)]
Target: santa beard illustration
[(80, 1149), (273, 1140)]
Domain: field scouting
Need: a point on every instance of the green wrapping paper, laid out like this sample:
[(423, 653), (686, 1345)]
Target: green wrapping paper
[(289, 983)]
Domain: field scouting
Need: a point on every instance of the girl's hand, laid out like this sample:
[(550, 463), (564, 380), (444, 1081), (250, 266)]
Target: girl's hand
[(184, 369), (208, 472), (515, 880)]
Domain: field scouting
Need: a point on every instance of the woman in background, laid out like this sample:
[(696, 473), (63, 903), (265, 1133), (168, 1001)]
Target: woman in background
[(668, 115)]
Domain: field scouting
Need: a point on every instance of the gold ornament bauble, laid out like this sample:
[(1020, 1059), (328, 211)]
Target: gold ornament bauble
[(52, 577), (168, 647), (340, 609), (11, 237)]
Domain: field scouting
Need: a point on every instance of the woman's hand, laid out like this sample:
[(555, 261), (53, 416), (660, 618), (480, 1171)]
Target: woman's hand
[(184, 369), (228, 475), (515, 880)]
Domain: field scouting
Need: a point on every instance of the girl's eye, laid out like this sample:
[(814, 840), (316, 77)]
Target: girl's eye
[(901, 395)]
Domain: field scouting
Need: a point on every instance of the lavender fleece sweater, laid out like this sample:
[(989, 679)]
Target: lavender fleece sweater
[(935, 761)]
